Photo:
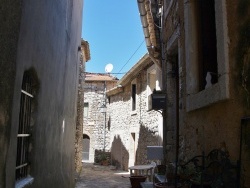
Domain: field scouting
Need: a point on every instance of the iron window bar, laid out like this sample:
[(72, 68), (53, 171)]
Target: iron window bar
[(22, 164), (23, 135), (26, 93)]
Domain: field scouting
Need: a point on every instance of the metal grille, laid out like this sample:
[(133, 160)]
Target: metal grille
[(23, 136)]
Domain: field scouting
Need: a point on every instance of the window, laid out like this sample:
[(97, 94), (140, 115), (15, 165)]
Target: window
[(23, 136), (86, 109), (133, 96), (207, 42), (206, 47)]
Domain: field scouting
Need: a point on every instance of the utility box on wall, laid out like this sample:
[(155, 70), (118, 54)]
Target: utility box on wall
[(159, 101)]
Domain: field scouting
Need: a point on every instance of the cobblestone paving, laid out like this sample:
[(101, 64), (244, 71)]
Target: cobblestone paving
[(96, 176)]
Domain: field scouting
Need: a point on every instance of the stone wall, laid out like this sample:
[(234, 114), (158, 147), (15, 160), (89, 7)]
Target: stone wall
[(94, 124), (132, 131), (9, 34), (218, 123)]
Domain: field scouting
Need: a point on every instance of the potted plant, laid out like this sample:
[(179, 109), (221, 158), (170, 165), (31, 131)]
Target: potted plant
[(103, 159), (170, 177), (136, 181)]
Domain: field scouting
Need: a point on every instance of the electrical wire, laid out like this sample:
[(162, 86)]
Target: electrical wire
[(130, 57)]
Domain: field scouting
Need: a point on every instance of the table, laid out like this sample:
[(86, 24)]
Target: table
[(146, 170)]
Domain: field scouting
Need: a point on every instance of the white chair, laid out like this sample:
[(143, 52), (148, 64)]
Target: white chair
[(151, 172)]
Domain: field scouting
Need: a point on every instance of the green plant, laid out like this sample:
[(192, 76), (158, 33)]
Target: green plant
[(186, 172), (101, 157)]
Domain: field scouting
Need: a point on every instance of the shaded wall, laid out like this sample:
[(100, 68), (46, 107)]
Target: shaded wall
[(10, 19), (50, 35), (216, 125)]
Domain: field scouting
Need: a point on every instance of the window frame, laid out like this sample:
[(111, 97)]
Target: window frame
[(219, 91)]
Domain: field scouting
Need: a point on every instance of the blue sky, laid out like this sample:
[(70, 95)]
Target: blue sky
[(114, 32)]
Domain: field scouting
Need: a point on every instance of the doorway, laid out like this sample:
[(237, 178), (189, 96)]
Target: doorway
[(86, 146), (132, 153)]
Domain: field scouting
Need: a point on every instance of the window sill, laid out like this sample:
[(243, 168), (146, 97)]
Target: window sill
[(24, 182), (133, 113), (214, 94)]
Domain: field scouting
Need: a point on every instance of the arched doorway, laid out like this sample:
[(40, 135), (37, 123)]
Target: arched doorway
[(85, 149)]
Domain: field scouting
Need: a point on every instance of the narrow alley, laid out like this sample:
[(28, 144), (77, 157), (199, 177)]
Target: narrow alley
[(159, 89), (97, 176)]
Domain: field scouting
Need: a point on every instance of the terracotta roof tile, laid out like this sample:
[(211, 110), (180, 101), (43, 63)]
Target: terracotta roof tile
[(99, 77)]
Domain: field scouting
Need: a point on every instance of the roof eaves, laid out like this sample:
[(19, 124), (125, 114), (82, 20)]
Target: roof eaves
[(133, 72)]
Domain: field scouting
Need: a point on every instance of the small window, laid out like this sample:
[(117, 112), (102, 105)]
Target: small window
[(86, 109), (133, 96), (207, 42), (23, 136)]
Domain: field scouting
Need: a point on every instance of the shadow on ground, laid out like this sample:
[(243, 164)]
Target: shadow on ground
[(97, 176)]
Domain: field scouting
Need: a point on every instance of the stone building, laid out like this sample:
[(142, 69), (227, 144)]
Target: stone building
[(85, 56), (132, 123), (39, 63), (203, 50), (95, 122)]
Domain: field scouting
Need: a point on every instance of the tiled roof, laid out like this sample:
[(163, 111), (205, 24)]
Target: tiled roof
[(85, 50), (99, 77)]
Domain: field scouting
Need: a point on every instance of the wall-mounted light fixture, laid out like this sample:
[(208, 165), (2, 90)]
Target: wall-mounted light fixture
[(103, 108)]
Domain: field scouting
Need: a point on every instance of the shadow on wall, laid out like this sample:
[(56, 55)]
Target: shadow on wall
[(147, 137), (119, 154)]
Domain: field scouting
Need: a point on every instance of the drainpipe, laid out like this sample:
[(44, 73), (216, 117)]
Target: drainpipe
[(145, 26), (177, 121)]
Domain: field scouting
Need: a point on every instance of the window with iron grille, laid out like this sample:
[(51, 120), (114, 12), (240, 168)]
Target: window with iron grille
[(23, 136)]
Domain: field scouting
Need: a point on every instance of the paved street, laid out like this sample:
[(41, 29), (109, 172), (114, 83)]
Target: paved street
[(96, 176)]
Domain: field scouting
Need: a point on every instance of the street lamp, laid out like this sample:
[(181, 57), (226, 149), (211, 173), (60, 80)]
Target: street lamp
[(103, 108)]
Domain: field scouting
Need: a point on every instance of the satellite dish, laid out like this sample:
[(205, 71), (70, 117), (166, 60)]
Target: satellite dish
[(108, 68)]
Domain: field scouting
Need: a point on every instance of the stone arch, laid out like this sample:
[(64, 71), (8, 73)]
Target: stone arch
[(86, 147), (88, 142)]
